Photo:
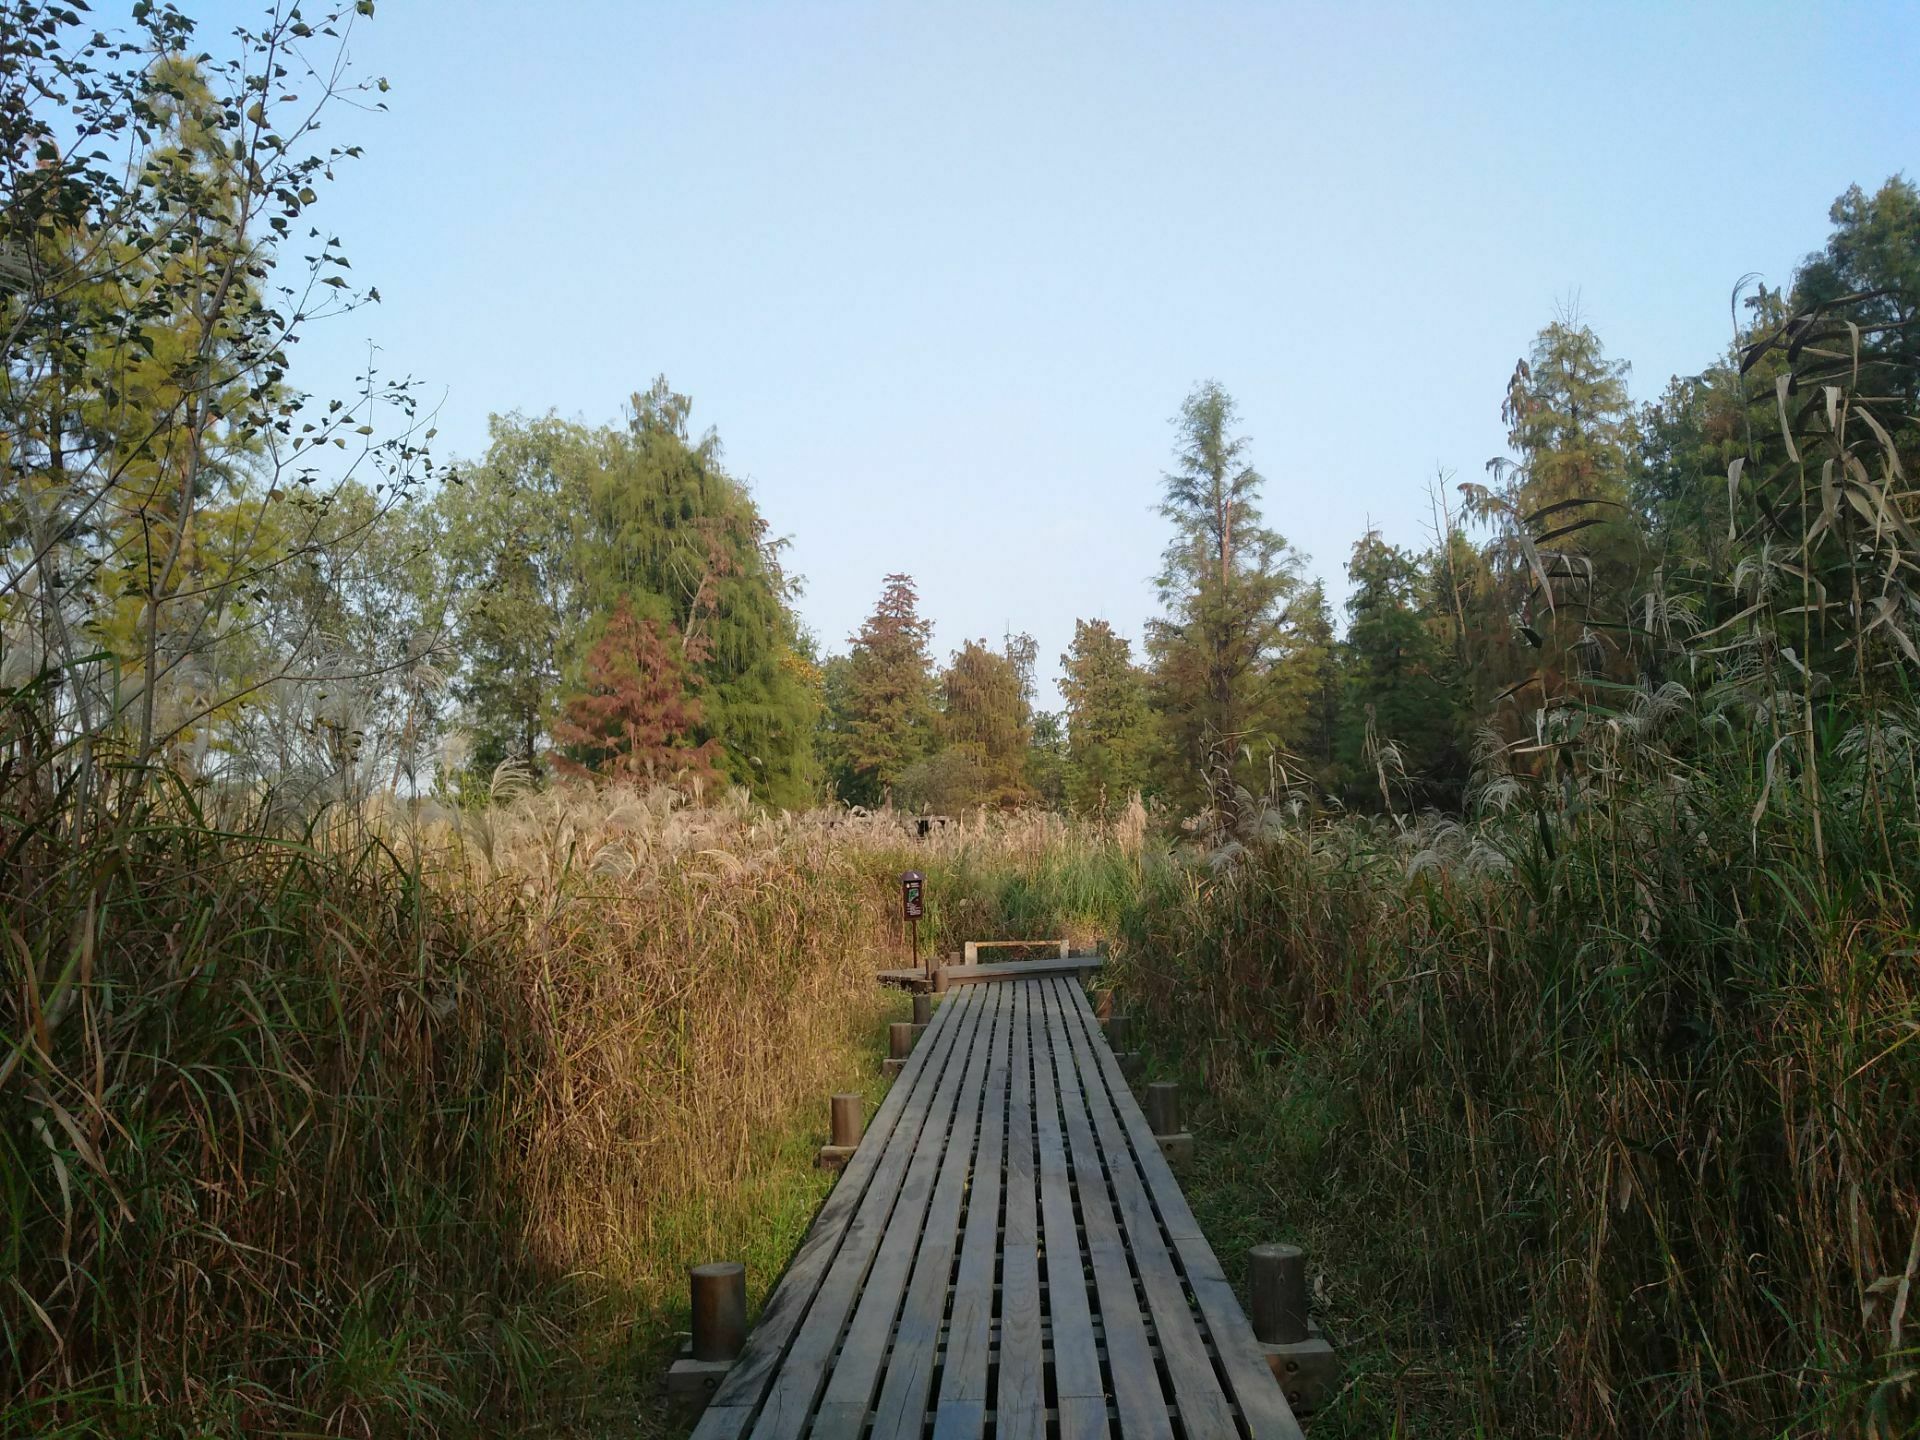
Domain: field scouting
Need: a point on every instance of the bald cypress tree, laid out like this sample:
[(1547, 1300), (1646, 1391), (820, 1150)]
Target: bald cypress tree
[(1108, 727), (1225, 581), (889, 692), (987, 719)]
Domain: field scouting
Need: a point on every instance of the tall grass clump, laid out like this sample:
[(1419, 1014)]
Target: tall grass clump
[(1599, 1108), (407, 1123)]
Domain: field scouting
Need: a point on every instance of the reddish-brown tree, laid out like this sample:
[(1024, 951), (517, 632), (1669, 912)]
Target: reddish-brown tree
[(638, 717)]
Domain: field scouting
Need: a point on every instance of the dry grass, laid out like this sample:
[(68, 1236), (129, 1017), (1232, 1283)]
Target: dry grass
[(410, 1125)]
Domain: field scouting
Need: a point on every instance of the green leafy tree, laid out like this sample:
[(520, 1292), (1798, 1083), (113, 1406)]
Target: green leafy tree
[(158, 471), (889, 693), (1566, 552), (1686, 440), (562, 521), (1306, 684), (1047, 761), (1874, 253), (833, 740), (986, 717), (1225, 581), (1109, 728), (664, 516), (1397, 727)]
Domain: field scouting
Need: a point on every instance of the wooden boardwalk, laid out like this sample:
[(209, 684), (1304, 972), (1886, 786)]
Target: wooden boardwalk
[(992, 970), (1007, 1254)]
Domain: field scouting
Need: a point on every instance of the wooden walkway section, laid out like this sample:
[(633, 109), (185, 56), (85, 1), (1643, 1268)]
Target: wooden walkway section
[(994, 970), (1006, 1254)]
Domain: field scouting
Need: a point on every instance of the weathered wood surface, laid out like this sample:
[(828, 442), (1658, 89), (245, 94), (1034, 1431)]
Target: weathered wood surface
[(970, 951), (957, 974), (1006, 1253), (1021, 970)]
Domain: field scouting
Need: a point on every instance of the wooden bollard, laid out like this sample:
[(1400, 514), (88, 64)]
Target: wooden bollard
[(939, 982), (899, 1046), (1301, 1358), (1278, 1279), (1163, 1114), (923, 1009), (719, 1311), (1163, 1107), (849, 1120), (1119, 1028)]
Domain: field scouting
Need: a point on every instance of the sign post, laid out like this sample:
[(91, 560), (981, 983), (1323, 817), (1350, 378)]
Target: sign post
[(912, 907)]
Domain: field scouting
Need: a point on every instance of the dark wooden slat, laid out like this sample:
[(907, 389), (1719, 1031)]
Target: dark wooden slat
[(1135, 1383), (1204, 1409), (929, 1209), (796, 1387), (1021, 1398), (963, 1379), (746, 1383), (1258, 1395), (1076, 1358)]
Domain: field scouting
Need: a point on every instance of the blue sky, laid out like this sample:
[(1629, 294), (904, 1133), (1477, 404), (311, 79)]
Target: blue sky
[(940, 274)]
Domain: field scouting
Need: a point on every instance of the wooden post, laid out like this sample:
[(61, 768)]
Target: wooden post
[(899, 1047), (719, 1310), (1119, 1028), (1163, 1115), (923, 1009), (1163, 1107), (939, 982), (1278, 1281), (1301, 1358), (849, 1121)]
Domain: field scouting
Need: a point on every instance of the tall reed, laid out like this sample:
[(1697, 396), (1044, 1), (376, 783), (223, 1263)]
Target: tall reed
[(1600, 1119), (410, 1123)]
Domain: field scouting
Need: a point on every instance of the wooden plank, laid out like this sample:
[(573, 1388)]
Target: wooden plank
[(1204, 1409), (1020, 970), (1136, 1389), (963, 1380), (1258, 1395), (746, 1383), (1084, 1417), (724, 1422), (1021, 1401), (929, 1208), (796, 1387), (903, 1398), (1076, 1357)]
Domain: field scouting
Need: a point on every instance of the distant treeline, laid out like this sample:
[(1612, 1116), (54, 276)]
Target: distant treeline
[(613, 603), (282, 595)]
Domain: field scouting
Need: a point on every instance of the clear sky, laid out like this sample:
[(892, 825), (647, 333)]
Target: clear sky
[(940, 274)]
